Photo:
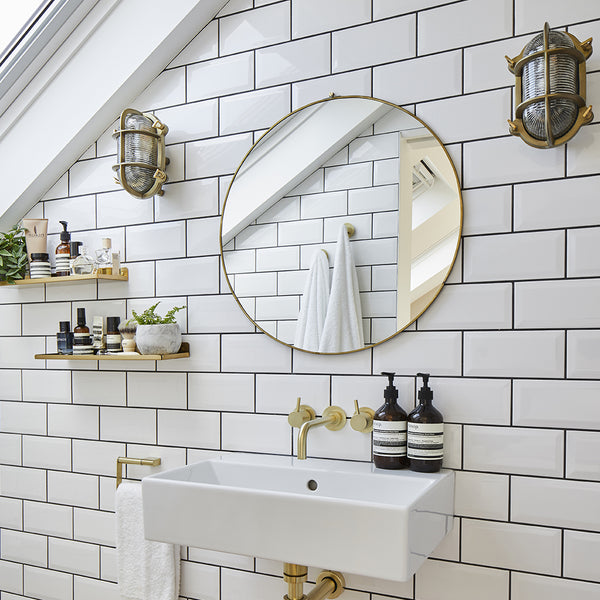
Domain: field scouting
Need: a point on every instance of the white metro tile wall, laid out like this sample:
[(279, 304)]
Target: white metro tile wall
[(512, 343)]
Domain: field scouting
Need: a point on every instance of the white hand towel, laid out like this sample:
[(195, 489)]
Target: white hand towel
[(147, 570), (313, 304), (343, 329)]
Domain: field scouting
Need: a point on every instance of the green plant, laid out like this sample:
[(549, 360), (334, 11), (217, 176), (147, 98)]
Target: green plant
[(149, 317), (13, 255)]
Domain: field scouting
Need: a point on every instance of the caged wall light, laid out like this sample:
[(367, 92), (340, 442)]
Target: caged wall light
[(141, 153), (550, 88)]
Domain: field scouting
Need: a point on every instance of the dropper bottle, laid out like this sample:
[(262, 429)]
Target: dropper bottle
[(389, 430)]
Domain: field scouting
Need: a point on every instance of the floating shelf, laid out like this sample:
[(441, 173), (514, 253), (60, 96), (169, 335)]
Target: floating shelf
[(122, 276), (184, 352)]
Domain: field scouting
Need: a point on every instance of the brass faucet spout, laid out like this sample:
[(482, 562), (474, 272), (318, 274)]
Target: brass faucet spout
[(334, 418)]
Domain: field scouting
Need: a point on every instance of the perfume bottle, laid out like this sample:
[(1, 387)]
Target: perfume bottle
[(104, 257), (83, 264)]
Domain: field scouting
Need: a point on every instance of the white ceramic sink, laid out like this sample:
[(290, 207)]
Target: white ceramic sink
[(357, 519)]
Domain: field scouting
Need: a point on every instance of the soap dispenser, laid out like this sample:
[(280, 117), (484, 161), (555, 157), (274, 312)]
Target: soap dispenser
[(425, 432), (63, 252), (389, 431)]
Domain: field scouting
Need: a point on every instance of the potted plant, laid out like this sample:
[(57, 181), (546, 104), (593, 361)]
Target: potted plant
[(13, 255), (156, 334)]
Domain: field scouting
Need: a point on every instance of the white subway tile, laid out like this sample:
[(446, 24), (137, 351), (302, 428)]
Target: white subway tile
[(74, 557), (91, 176), (48, 519), (487, 210), (378, 304), (21, 417), (59, 190), (472, 306), (216, 391), (43, 319), (11, 513), (583, 448), (252, 29), (494, 19), (555, 502), (362, 225), (256, 433), (46, 452), (583, 32), (374, 147), (128, 424), (292, 61), (176, 166), (328, 204), (46, 386), (300, 232), (251, 353), (11, 575), (192, 121), (11, 385), (526, 587), (412, 351), (200, 581), (453, 581), (389, 8), (253, 110), (510, 546), (157, 390), (159, 240), (374, 43), (514, 354), (353, 82), (256, 284), (166, 89), (581, 555), (282, 307), (386, 171), (108, 564), (519, 161), (582, 350), (219, 156), (73, 489), (313, 184), (481, 495), (373, 199), (170, 458), (278, 393), (527, 14), (216, 314), (221, 76), (311, 16), (234, 6), (212, 557), (47, 585), (431, 77), (449, 547), (80, 212), (95, 526), (203, 236), (92, 589), (277, 259), (18, 482), (570, 404), (10, 319), (22, 547), (18, 352), (256, 236), (582, 258), (205, 355), (385, 224), (96, 458), (73, 421), (202, 47), (187, 200), (94, 387), (189, 429), (574, 304), (188, 276), (514, 256), (28, 293), (345, 177), (285, 209), (10, 448)]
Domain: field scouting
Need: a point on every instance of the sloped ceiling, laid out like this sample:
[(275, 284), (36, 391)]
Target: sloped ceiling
[(117, 49)]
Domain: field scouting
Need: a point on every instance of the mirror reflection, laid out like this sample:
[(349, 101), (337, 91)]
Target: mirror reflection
[(369, 184)]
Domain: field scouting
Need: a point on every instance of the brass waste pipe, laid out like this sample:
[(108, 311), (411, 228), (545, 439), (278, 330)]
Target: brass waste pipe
[(330, 584)]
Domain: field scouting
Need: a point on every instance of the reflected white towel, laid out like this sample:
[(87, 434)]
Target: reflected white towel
[(309, 327), (147, 570), (343, 329)]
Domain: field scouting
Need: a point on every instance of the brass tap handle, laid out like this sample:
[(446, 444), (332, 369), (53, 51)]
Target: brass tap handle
[(362, 419), (302, 414)]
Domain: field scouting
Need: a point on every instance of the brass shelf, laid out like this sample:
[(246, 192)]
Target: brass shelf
[(122, 276), (184, 352)]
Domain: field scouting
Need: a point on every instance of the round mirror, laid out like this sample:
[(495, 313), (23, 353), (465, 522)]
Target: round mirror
[(364, 181)]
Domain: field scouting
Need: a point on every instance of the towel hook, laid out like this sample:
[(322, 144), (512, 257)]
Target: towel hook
[(350, 229), (151, 461)]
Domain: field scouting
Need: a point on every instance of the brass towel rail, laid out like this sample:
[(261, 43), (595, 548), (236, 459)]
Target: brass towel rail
[(151, 461)]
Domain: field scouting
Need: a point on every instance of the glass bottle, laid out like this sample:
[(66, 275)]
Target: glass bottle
[(104, 257), (389, 431), (64, 338), (83, 264), (63, 253), (82, 340), (425, 433), (113, 336)]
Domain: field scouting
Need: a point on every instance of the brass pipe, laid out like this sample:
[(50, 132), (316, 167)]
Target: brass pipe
[(294, 576), (330, 584), (334, 418)]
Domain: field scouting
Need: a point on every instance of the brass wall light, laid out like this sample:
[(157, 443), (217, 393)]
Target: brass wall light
[(550, 88), (140, 153)]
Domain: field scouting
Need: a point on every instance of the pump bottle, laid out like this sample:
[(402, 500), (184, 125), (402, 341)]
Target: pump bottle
[(425, 433), (63, 252), (389, 431)]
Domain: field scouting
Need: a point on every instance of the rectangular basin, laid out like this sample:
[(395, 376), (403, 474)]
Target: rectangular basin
[(341, 515)]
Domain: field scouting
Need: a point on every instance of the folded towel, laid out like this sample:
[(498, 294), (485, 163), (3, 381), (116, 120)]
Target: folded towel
[(147, 570), (313, 305), (343, 328)]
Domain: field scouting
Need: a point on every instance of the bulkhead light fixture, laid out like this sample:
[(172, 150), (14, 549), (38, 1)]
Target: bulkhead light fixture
[(550, 88), (141, 166)]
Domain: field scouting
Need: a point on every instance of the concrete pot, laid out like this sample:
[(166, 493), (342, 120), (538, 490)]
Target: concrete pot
[(158, 339)]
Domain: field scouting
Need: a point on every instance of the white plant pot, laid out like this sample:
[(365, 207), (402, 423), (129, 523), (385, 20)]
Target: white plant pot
[(158, 339)]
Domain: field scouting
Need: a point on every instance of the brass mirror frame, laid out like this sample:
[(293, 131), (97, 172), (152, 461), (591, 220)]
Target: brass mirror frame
[(330, 98)]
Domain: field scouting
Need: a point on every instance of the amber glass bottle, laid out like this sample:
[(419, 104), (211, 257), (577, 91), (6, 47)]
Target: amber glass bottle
[(82, 340), (63, 252), (389, 431), (425, 433)]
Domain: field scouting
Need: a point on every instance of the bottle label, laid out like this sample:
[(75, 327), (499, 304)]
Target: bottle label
[(426, 441), (389, 438), (113, 342), (82, 343)]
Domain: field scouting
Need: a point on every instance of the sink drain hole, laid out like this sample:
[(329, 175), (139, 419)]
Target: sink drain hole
[(312, 485)]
